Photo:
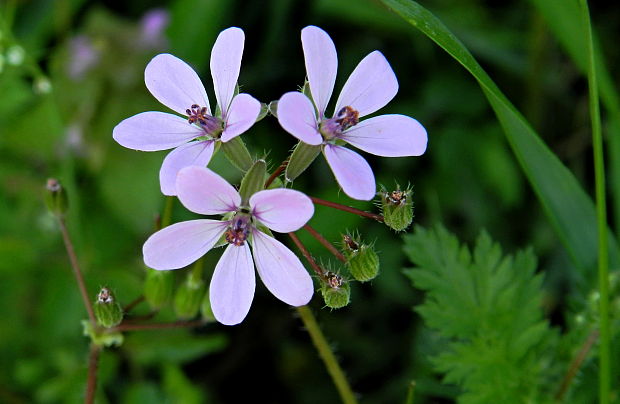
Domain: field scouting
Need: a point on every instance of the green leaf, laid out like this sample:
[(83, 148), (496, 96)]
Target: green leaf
[(487, 308), (569, 209)]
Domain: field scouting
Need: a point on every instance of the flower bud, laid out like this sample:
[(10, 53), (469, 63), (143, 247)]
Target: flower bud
[(335, 290), (55, 197), (253, 181), (362, 260), (158, 287), (188, 297), (397, 208), (303, 155), (237, 153), (15, 55), (107, 310)]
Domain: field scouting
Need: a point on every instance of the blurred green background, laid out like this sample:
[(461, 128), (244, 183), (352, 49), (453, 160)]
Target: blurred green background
[(93, 55)]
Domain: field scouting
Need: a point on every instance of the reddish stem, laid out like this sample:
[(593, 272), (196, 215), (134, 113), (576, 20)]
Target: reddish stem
[(275, 174), (576, 364), (304, 251), (76, 269), (133, 304), (156, 326), (325, 243), (345, 208), (91, 382)]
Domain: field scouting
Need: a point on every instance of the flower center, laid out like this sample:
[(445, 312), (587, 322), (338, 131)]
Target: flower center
[(397, 197), (343, 120), (211, 125), (238, 231), (334, 280)]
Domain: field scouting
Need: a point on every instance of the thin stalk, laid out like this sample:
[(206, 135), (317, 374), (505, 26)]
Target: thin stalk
[(410, 393), (326, 354), (277, 172), (575, 365), (166, 217), (156, 326), (345, 208), (76, 269), (601, 213), (91, 382), (319, 237), (304, 251), (133, 304)]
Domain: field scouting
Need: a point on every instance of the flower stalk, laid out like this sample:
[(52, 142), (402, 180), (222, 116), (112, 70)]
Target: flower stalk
[(345, 208), (319, 237)]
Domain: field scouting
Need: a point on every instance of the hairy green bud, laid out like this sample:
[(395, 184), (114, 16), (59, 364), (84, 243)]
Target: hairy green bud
[(56, 197), (107, 310), (335, 290), (158, 287), (362, 260), (397, 208), (188, 297)]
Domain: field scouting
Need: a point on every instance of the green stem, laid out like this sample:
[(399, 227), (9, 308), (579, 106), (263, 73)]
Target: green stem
[(166, 217), (601, 213), (326, 354)]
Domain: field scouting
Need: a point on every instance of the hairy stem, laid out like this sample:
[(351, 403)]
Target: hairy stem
[(277, 172), (76, 269), (576, 364), (91, 382), (345, 208), (326, 354), (601, 213), (319, 237), (304, 251)]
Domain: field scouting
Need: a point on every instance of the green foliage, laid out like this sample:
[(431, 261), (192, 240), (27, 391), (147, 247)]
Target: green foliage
[(487, 307)]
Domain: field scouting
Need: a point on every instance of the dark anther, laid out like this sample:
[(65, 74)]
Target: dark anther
[(237, 234), (397, 197), (350, 243), (347, 117), (334, 280)]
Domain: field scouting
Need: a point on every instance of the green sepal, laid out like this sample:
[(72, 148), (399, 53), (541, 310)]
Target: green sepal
[(237, 153), (188, 299), (397, 208), (107, 310), (303, 155), (336, 297), (253, 181), (101, 337), (158, 287), (205, 309), (264, 111), (56, 197), (273, 108)]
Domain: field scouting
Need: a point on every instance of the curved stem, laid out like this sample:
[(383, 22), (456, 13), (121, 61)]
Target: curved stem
[(345, 208), (277, 172), (576, 364), (326, 354), (76, 269), (156, 326), (601, 213), (304, 251), (319, 237)]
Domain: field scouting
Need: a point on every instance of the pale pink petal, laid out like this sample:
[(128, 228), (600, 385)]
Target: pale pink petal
[(189, 154), (297, 117), (151, 131), (282, 210), (370, 87), (180, 244), (242, 114), (203, 191), (321, 65), (388, 136), (225, 65), (281, 271), (174, 83), (232, 285), (352, 172)]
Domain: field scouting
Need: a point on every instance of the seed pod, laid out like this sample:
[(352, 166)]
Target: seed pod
[(107, 310), (335, 290), (397, 208), (362, 260), (158, 287), (56, 197)]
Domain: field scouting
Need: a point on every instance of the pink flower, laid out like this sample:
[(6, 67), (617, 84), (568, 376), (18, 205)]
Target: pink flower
[(232, 286), (177, 86), (370, 87)]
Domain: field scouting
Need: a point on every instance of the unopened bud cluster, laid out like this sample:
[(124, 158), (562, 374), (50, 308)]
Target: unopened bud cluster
[(397, 208)]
